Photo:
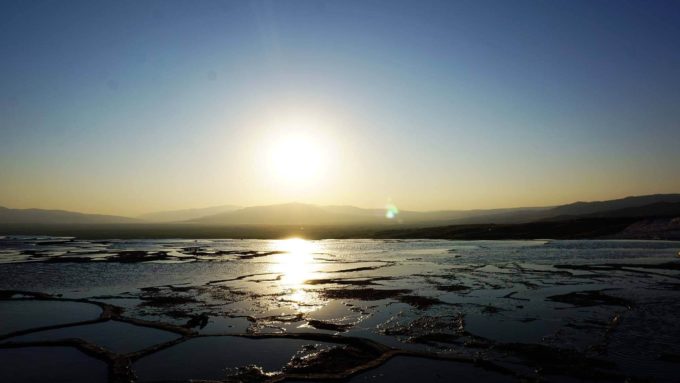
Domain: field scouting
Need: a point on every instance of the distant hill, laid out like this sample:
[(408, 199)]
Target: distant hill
[(306, 214), (654, 210), (585, 208), (630, 218), (506, 215), (40, 216), (656, 205), (186, 214), (288, 214)]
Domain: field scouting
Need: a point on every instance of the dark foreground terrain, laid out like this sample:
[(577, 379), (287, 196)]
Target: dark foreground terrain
[(356, 310), (581, 228)]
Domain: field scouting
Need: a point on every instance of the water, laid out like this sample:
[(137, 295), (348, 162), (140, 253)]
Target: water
[(558, 310), (57, 364)]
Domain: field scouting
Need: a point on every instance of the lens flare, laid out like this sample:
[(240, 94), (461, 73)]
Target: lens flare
[(392, 211)]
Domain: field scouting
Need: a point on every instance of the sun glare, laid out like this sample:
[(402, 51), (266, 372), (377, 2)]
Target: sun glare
[(296, 265), (296, 151), (297, 159)]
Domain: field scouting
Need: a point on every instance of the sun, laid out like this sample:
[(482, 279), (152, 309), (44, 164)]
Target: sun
[(297, 152), (297, 158)]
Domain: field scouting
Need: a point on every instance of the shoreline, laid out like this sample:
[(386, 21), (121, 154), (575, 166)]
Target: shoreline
[(652, 228)]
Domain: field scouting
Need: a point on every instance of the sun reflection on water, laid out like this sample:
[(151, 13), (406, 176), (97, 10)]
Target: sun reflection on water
[(295, 266)]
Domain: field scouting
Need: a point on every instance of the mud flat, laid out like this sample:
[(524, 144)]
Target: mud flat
[(358, 310)]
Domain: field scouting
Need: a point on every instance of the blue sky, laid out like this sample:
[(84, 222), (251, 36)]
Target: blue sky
[(125, 107)]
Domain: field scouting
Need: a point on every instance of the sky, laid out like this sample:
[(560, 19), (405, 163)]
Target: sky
[(127, 107)]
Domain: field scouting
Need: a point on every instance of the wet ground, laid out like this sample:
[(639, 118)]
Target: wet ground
[(354, 310)]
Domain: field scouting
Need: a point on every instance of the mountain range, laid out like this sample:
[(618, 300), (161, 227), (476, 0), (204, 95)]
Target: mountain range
[(657, 205), (42, 216), (186, 214)]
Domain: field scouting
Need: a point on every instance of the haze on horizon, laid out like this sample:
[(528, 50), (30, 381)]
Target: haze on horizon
[(132, 107)]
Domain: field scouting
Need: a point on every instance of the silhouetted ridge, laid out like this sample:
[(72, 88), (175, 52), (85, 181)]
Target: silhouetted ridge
[(38, 216)]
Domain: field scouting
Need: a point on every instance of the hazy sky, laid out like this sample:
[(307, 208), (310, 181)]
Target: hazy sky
[(128, 107)]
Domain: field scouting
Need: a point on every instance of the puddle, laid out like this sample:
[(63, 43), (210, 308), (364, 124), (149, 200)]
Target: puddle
[(226, 325), (529, 330), (211, 357), (21, 315), (407, 369), (112, 335), (53, 364)]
